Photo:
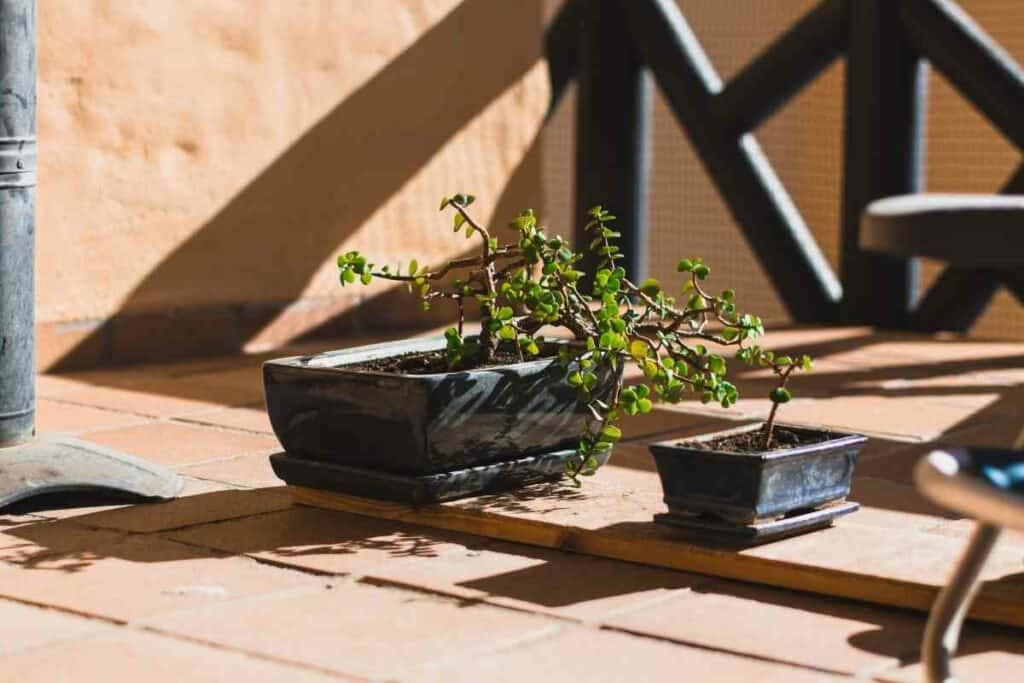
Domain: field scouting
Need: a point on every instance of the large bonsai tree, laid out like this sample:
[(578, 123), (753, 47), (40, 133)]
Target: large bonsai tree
[(533, 281)]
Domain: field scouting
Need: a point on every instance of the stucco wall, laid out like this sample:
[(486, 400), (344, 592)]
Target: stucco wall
[(202, 161)]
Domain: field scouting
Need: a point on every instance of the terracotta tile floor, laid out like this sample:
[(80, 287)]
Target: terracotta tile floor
[(230, 582)]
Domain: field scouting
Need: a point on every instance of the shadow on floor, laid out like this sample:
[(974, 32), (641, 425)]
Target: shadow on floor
[(550, 579)]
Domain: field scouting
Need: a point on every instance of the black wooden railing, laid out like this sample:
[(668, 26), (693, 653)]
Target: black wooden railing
[(607, 45)]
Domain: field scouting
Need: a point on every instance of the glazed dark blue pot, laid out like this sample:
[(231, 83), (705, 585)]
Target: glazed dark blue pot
[(430, 433), (743, 488)]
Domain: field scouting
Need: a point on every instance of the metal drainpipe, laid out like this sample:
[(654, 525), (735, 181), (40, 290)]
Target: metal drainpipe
[(17, 219), (30, 465)]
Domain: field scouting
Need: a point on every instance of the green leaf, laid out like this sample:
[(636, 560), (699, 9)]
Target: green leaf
[(413, 267), (638, 349), (685, 266), (650, 287), (644, 405), (610, 433), (716, 364), (457, 220), (701, 271), (780, 395), (365, 278), (444, 203)]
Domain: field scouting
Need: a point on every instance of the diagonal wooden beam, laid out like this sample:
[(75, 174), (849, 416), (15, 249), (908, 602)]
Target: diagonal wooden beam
[(974, 63), (758, 201), (956, 300), (785, 67)]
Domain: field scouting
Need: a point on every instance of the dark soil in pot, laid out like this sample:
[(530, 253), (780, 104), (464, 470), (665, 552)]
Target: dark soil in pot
[(750, 442), (434, 362)]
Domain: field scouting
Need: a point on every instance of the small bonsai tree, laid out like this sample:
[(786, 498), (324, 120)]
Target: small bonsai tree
[(533, 281)]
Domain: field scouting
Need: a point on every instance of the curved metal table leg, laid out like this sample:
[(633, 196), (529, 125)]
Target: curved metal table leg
[(55, 464), (947, 615)]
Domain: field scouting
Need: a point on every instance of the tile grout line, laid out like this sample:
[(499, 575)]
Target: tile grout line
[(721, 650), (370, 579), (133, 625)]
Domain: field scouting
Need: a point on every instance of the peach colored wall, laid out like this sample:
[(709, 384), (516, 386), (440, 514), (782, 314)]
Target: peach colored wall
[(198, 154), (202, 161)]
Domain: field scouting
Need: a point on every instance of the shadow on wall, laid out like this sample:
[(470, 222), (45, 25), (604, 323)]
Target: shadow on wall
[(292, 217)]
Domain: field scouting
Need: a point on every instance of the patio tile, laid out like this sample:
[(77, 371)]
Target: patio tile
[(128, 577), (56, 385), (223, 387), (128, 655), (158, 395), (897, 464), (466, 566), (247, 418), (579, 654), (137, 400), (172, 443), (887, 503), (201, 503), (962, 355), (329, 542), (30, 545), (783, 626), (245, 470), (911, 418), (27, 627), (69, 418), (986, 653), (369, 631), (565, 584)]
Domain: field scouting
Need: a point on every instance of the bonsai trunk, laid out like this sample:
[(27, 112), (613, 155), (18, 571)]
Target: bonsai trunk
[(769, 428)]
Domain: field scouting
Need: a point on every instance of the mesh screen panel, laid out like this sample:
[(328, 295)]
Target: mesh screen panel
[(804, 143)]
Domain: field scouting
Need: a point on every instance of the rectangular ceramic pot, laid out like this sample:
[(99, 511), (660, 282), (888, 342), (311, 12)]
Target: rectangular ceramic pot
[(744, 488), (419, 425)]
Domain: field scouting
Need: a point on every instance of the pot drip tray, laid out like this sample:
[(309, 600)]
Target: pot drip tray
[(759, 531), (420, 489)]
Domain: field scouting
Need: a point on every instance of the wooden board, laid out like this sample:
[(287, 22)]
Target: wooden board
[(877, 555)]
